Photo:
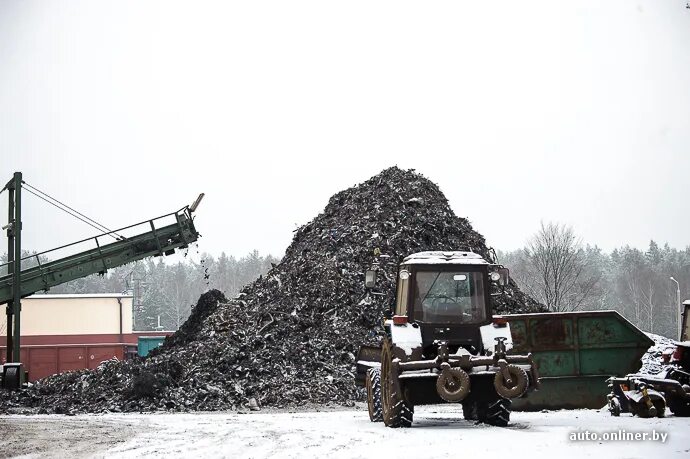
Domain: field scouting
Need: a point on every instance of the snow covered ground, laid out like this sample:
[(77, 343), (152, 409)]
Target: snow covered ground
[(438, 431)]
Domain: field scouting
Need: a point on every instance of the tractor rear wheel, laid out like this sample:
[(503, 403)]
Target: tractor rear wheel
[(679, 408), (469, 410), (494, 412), (397, 412), (373, 383)]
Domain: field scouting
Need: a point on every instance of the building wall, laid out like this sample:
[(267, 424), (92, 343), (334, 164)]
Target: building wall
[(75, 315)]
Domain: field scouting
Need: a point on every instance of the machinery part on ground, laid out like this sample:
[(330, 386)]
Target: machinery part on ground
[(495, 412), (511, 381), (643, 396), (453, 384), (674, 379), (656, 409), (12, 375), (397, 412), (373, 385)]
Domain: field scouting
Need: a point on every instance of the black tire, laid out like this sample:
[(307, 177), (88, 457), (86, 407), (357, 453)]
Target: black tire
[(680, 409), (657, 409), (660, 408), (397, 412), (469, 410), (644, 412), (614, 407), (494, 413), (373, 384)]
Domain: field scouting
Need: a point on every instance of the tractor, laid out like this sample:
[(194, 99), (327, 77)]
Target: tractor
[(442, 344)]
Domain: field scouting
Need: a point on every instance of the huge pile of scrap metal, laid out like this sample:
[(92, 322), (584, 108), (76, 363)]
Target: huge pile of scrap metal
[(291, 336)]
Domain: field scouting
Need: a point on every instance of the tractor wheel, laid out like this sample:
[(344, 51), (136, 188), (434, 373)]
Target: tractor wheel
[(614, 407), (657, 409), (494, 413), (680, 408), (644, 412), (517, 386), (397, 412), (469, 410), (660, 408), (453, 384), (373, 383)]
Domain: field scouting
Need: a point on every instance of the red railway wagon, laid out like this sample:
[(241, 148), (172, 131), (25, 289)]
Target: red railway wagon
[(45, 360), (47, 355)]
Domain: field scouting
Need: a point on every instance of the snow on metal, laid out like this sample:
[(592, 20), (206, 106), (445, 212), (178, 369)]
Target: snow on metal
[(489, 334), (449, 258), (407, 337)]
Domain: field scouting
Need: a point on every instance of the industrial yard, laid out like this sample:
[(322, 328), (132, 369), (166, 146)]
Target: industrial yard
[(333, 433), (313, 229), (280, 370)]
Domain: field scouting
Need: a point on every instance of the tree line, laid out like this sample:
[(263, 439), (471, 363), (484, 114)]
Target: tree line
[(564, 274), (164, 293), (554, 267)]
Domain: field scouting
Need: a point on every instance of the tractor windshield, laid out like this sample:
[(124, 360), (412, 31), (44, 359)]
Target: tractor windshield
[(449, 297)]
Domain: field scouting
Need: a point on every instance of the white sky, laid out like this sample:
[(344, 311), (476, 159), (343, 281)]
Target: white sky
[(573, 111)]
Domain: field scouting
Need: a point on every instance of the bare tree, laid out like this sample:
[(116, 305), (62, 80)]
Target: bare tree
[(555, 268)]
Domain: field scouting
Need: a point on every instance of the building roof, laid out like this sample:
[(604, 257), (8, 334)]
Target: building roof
[(78, 295), (449, 258)]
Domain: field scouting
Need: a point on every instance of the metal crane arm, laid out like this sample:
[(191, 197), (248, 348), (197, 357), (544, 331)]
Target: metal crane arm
[(157, 241)]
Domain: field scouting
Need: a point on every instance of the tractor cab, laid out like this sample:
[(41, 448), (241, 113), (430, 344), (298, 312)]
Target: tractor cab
[(448, 295)]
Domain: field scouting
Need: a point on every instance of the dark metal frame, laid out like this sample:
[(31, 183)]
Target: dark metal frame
[(14, 263)]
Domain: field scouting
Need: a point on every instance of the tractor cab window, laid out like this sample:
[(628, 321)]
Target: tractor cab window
[(449, 297)]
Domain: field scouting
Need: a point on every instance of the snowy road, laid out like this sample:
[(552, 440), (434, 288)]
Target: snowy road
[(438, 430)]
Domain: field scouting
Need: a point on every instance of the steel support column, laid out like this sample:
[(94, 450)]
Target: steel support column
[(14, 257)]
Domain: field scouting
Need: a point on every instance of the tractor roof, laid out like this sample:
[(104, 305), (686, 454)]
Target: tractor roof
[(445, 258)]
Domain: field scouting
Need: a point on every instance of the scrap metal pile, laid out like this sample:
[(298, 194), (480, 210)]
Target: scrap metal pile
[(290, 337), (651, 361)]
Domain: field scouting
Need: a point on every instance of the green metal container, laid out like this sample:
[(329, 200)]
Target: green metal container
[(576, 352), (147, 343)]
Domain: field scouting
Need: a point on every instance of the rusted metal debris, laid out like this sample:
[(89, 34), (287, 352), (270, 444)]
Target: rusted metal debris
[(291, 336)]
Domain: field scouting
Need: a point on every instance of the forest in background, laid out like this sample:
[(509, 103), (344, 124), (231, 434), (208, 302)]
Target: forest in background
[(554, 267), (557, 270), (164, 293)]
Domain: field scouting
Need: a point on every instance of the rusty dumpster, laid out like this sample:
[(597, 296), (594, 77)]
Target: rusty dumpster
[(576, 352)]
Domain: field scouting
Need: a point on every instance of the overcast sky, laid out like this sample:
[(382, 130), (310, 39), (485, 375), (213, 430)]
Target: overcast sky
[(576, 112)]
